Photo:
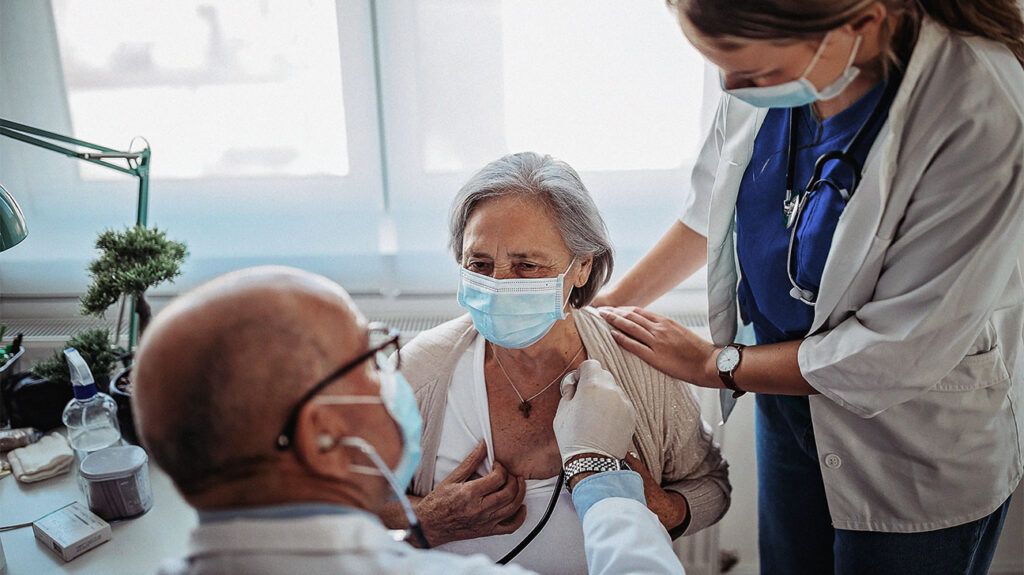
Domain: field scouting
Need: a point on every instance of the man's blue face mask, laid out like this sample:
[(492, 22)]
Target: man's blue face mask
[(513, 313), (397, 397)]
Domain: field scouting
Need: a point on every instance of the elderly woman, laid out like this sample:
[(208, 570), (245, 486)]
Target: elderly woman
[(534, 251)]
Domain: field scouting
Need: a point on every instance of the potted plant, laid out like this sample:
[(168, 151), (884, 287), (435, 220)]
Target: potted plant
[(10, 357), (10, 353), (94, 345), (131, 262), (38, 397)]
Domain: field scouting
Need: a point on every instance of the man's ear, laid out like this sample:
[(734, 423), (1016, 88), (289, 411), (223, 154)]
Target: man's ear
[(586, 267), (317, 433)]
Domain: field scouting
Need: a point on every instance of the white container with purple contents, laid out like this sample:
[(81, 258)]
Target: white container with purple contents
[(117, 482)]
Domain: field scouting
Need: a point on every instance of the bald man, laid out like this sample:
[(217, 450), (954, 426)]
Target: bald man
[(264, 398)]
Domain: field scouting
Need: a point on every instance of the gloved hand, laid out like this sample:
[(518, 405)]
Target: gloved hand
[(594, 415)]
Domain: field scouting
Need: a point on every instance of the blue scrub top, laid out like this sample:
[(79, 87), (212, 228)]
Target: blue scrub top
[(762, 239)]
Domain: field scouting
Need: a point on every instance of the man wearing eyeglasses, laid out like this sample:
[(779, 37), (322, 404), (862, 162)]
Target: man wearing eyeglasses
[(283, 418)]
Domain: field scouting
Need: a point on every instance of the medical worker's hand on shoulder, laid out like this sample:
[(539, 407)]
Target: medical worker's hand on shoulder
[(464, 508), (664, 344)]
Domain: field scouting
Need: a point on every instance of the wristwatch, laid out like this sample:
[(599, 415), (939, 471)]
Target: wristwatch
[(727, 361), (591, 464)]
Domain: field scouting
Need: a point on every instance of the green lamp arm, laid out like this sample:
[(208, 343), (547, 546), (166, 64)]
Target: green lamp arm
[(137, 162), (137, 165)]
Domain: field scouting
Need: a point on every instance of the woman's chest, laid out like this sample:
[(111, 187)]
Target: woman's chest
[(480, 407), (523, 439)]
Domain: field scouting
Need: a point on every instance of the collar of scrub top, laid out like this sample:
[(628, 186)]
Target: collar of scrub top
[(793, 205)]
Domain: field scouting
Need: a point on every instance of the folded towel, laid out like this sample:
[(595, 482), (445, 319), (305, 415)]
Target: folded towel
[(48, 457)]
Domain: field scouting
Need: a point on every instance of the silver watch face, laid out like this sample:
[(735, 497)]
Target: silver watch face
[(728, 359)]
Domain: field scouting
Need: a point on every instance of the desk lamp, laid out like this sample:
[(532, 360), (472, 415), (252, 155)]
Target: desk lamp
[(12, 221)]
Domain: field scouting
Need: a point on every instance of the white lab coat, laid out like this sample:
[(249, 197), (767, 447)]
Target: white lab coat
[(621, 536), (916, 344)]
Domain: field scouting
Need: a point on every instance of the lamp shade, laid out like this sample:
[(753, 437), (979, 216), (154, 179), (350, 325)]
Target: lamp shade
[(12, 221)]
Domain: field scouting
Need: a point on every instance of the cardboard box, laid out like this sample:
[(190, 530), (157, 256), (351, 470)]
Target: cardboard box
[(71, 531)]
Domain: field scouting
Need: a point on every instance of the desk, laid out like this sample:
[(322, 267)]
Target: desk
[(138, 546)]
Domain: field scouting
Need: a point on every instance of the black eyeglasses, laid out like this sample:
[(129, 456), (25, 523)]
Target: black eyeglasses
[(382, 351)]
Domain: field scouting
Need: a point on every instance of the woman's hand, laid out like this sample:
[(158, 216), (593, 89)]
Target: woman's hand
[(463, 508), (664, 344), (670, 507)]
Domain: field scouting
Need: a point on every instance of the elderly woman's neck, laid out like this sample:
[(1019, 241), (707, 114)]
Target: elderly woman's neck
[(560, 343)]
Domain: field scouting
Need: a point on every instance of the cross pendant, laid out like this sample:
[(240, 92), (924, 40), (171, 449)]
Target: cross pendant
[(524, 408)]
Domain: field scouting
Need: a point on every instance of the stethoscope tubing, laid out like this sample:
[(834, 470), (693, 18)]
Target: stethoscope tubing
[(793, 212)]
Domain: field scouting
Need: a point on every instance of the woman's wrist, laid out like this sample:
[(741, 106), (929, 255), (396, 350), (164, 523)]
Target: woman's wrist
[(671, 508), (609, 297), (425, 515), (710, 369)]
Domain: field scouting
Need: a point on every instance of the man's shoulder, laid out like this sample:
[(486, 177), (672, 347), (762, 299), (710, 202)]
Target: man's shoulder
[(416, 562), (435, 562)]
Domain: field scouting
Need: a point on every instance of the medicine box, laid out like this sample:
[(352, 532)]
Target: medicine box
[(71, 531)]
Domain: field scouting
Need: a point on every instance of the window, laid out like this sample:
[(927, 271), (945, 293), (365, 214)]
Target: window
[(611, 87), (261, 115), (220, 89), (333, 134)]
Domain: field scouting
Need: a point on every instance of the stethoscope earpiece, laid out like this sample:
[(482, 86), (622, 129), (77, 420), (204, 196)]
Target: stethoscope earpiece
[(325, 442), (804, 295)]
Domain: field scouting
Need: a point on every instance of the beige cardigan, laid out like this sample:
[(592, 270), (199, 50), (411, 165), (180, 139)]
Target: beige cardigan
[(671, 438)]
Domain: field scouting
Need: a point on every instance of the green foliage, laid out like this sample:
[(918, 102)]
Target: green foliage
[(130, 262), (5, 355), (93, 344)]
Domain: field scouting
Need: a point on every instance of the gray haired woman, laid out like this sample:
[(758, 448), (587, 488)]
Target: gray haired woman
[(534, 252)]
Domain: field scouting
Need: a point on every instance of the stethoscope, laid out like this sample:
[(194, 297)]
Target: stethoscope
[(794, 204)]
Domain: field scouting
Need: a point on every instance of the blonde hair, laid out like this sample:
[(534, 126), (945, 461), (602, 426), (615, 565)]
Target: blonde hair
[(998, 20)]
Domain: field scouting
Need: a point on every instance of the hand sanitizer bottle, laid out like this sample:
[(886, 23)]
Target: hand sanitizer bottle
[(91, 417)]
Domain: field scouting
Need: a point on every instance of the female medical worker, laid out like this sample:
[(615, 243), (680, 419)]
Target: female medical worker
[(861, 194)]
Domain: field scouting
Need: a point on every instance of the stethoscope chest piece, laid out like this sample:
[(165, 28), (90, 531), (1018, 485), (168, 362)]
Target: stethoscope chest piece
[(790, 211)]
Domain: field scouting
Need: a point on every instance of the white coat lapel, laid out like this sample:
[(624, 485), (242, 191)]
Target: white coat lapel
[(861, 219), (852, 240)]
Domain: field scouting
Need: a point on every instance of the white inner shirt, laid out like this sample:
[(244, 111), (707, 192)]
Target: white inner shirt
[(558, 548)]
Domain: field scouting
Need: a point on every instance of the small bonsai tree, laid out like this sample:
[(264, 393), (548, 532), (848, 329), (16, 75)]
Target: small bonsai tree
[(131, 262)]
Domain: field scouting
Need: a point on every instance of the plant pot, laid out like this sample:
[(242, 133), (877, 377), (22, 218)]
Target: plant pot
[(7, 369), (120, 390)]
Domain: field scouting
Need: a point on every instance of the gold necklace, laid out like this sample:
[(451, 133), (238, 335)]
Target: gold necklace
[(524, 404)]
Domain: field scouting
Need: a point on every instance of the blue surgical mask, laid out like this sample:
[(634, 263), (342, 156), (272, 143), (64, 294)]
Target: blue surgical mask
[(398, 399), (415, 530), (801, 91), (513, 313)]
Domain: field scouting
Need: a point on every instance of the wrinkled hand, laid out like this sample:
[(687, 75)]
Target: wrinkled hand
[(594, 416), (670, 507), (463, 508), (664, 344)]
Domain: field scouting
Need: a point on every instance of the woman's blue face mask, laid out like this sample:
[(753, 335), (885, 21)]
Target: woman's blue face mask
[(513, 313), (799, 92)]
